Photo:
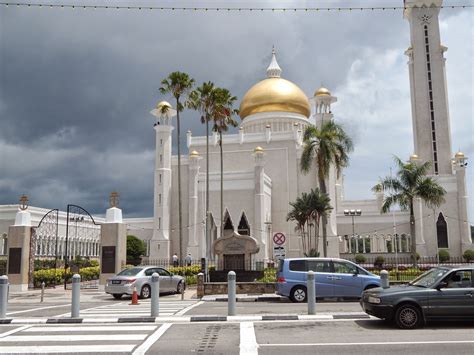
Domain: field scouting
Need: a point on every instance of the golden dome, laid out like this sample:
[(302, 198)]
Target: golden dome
[(322, 92), (459, 155), (194, 154), (274, 94), (160, 104), (258, 150), (413, 157)]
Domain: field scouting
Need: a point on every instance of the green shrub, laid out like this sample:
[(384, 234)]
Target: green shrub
[(185, 270), (379, 260), (468, 255), (443, 255), (56, 276), (359, 259), (269, 275)]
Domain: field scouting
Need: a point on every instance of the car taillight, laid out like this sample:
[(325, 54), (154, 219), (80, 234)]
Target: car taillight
[(130, 281), (281, 279)]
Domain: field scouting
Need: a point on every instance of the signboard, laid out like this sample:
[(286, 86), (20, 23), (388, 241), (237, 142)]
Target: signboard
[(279, 238), (279, 252), (14, 261), (108, 260)]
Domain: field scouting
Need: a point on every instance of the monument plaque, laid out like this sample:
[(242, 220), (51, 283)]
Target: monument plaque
[(14, 261), (108, 260)]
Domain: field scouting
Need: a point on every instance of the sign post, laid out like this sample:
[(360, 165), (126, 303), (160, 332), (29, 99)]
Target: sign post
[(279, 240)]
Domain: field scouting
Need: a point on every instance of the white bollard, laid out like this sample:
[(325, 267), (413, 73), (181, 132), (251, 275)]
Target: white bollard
[(231, 299), (42, 291), (311, 287), (385, 283), (76, 294), (155, 295), (3, 296)]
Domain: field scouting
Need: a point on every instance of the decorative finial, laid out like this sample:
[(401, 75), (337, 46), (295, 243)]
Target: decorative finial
[(114, 199), (23, 202), (273, 70)]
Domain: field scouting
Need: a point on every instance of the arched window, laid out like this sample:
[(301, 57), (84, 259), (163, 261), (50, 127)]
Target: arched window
[(442, 232), (244, 227), (228, 225)]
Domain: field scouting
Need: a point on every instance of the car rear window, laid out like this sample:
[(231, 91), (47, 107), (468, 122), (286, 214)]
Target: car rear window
[(130, 272)]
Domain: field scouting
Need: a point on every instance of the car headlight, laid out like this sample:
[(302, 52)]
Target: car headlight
[(373, 299)]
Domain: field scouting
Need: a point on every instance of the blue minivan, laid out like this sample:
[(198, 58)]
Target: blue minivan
[(333, 277)]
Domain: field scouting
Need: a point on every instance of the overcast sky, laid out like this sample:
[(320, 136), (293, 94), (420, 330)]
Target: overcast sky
[(76, 88)]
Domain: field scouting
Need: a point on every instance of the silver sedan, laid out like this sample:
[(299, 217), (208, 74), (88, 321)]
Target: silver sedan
[(140, 277)]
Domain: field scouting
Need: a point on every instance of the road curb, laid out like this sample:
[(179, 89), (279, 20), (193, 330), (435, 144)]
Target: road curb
[(189, 319)]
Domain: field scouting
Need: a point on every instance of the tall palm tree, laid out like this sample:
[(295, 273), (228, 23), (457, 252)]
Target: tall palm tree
[(200, 100), (410, 183), (179, 85), (222, 113), (325, 146)]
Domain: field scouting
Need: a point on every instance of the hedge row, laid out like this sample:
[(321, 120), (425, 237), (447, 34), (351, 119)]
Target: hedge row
[(56, 276)]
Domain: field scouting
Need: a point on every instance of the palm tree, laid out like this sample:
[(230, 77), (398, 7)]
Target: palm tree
[(223, 110), (179, 85), (410, 183), (320, 207), (308, 208), (325, 146), (200, 100)]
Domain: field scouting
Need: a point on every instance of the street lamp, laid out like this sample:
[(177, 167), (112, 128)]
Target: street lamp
[(352, 214)]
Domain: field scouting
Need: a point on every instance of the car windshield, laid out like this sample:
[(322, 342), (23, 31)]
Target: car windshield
[(130, 272), (429, 278)]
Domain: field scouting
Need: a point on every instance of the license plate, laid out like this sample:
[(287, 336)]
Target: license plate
[(116, 282)]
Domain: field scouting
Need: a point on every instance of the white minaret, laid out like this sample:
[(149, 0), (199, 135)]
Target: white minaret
[(160, 242), (322, 101), (429, 99)]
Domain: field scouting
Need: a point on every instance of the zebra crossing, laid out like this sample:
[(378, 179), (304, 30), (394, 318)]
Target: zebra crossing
[(41, 339), (125, 309)]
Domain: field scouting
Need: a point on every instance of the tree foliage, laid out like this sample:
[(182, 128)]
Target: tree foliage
[(135, 248)]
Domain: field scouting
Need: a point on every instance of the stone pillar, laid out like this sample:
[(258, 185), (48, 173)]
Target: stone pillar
[(113, 242), (259, 204), (193, 210), (19, 237), (463, 201)]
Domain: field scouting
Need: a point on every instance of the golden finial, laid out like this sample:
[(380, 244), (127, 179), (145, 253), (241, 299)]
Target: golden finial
[(114, 199), (23, 202)]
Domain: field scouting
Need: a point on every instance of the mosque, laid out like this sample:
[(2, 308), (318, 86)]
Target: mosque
[(262, 174)]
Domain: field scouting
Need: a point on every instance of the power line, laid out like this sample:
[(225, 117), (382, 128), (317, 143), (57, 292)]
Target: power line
[(222, 9)]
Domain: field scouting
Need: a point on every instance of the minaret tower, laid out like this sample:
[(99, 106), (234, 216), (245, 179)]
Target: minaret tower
[(322, 105), (160, 243), (429, 99)]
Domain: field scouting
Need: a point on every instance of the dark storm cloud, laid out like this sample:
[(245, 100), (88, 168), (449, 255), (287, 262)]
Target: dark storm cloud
[(76, 86)]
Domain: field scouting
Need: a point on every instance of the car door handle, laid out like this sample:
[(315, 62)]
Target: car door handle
[(337, 278), (469, 294)]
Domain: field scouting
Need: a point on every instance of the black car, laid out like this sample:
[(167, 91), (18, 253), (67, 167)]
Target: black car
[(444, 292)]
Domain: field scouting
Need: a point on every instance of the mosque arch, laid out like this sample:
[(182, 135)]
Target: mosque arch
[(244, 227), (228, 225), (442, 231)]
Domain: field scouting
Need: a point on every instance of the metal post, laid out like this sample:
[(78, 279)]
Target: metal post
[(42, 291), (384, 279), (76, 294), (231, 293), (311, 287), (3, 296), (155, 295)]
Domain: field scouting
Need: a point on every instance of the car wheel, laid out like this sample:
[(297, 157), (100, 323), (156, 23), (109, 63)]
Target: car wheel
[(180, 288), (146, 292), (117, 296), (408, 316), (298, 294)]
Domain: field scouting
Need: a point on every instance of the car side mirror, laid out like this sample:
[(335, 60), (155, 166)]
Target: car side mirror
[(442, 284)]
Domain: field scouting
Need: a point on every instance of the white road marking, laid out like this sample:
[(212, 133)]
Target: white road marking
[(184, 310), (36, 349), (13, 331), (378, 343), (69, 337), (104, 328), (152, 339), (248, 341), (38, 309)]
